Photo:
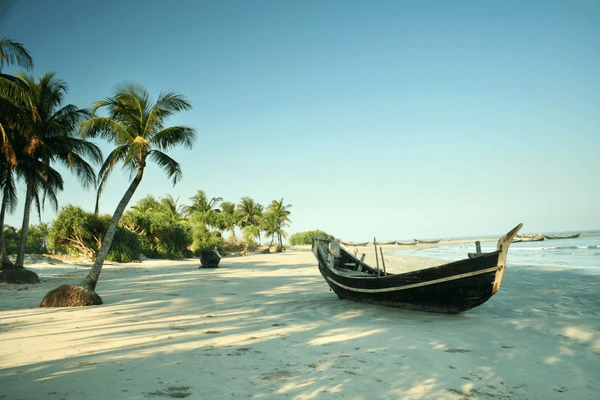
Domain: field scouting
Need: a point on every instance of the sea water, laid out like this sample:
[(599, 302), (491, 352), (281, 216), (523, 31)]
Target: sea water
[(580, 253)]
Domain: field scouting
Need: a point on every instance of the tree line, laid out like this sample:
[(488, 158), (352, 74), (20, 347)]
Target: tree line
[(162, 228), (38, 132)]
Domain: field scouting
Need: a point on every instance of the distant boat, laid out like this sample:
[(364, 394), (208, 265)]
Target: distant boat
[(386, 243), (573, 236), (427, 241), (355, 244), (534, 238), (407, 243), (449, 288)]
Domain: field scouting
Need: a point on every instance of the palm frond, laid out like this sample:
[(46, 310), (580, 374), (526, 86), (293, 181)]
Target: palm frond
[(105, 128), (167, 164), (109, 164), (12, 52), (9, 190), (174, 136)]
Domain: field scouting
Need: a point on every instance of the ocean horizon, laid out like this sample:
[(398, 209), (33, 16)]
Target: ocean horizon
[(579, 253)]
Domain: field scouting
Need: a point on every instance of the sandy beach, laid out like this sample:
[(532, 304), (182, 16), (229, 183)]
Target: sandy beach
[(266, 326)]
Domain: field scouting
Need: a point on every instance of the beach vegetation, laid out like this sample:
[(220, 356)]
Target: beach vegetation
[(228, 219), (248, 214), (162, 231), (45, 135), (37, 239), (275, 219), (204, 238), (135, 126), (79, 233), (305, 238), (38, 132)]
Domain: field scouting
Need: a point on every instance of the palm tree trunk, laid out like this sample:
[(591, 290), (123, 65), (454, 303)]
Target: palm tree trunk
[(5, 260), (92, 279), (25, 226)]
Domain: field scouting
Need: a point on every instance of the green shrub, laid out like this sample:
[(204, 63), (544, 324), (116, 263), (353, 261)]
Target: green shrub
[(125, 246), (160, 235), (79, 233), (205, 239), (37, 239), (304, 238)]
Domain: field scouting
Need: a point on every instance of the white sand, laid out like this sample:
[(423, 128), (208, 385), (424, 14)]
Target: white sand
[(267, 327)]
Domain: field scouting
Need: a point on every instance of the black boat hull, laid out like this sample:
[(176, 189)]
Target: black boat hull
[(450, 288)]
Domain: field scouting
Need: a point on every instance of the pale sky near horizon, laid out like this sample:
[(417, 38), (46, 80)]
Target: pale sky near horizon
[(388, 119)]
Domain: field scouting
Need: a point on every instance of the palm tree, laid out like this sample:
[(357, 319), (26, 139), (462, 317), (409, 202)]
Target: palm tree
[(146, 204), (281, 217), (200, 203), (169, 206), (44, 136), (38, 134), (270, 227), (135, 125), (228, 214), (249, 213), (11, 52)]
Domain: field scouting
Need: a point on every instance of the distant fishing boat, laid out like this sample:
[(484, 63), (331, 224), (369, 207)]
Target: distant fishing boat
[(450, 288), (534, 238), (386, 243), (573, 236), (355, 243), (427, 241), (407, 243)]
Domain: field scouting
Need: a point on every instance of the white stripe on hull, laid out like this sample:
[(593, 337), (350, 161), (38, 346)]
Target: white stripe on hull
[(414, 285)]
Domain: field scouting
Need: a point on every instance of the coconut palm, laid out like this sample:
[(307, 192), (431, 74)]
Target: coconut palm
[(201, 203), (270, 226), (249, 213), (135, 125), (228, 214), (43, 136), (170, 207), (280, 215), (11, 52), (38, 134)]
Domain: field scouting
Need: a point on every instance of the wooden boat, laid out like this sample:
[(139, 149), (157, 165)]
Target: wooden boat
[(427, 241), (355, 244), (210, 258), (573, 236), (386, 243), (534, 238), (450, 288), (406, 243)]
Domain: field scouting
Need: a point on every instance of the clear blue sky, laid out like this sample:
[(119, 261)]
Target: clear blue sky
[(388, 119)]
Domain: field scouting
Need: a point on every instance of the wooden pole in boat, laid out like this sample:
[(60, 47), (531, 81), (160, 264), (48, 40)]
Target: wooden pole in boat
[(382, 262), (376, 256), (478, 247)]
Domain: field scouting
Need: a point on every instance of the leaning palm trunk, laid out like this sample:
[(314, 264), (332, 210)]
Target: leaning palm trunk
[(92, 279), (84, 294)]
